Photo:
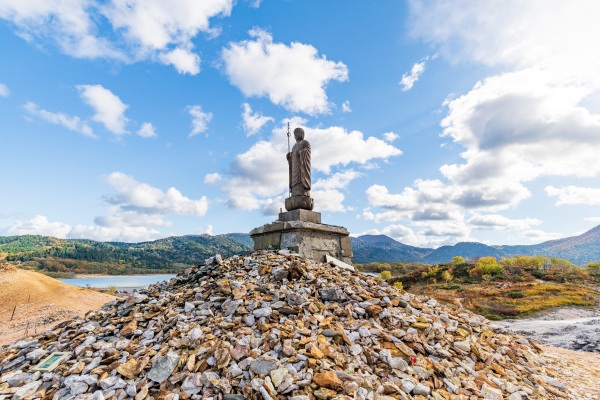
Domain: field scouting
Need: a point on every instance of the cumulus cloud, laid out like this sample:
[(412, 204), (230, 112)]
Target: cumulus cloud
[(183, 60), (251, 188), (135, 211), (141, 197), (293, 76), (68, 23), (501, 223), (537, 236), (253, 122), (108, 107), (390, 136), (206, 230), (211, 179), (346, 107), (147, 130), (4, 92), (70, 122), (409, 79), (38, 225), (527, 122), (575, 195), (141, 29), (200, 119), (129, 234)]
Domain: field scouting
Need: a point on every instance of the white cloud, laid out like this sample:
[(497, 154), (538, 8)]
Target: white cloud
[(254, 3), (134, 195), (68, 23), (119, 217), (70, 122), (211, 179), (4, 92), (253, 122), (530, 121), (130, 234), (200, 119), (293, 76), (183, 60), (141, 29), (592, 219), (136, 209), (39, 225), (147, 130), (346, 107), (109, 109), (207, 230), (251, 188), (339, 180), (390, 136), (575, 195), (501, 223), (327, 191), (538, 236), (409, 79)]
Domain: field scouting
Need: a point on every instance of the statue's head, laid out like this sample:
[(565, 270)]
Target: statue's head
[(299, 133)]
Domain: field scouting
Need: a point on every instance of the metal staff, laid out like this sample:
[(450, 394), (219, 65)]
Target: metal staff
[(288, 135)]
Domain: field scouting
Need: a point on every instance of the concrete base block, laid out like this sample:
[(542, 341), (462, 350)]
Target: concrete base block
[(309, 239), (300, 215)]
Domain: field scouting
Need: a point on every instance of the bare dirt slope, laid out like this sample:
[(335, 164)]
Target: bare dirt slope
[(40, 301)]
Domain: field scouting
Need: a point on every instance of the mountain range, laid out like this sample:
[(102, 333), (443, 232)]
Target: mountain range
[(577, 249), (174, 252)]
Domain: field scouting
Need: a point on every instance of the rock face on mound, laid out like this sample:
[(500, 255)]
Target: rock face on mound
[(277, 326)]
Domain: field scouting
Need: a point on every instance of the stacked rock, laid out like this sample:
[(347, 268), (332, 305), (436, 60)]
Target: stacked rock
[(274, 326)]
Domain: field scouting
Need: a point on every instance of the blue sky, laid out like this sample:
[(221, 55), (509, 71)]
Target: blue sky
[(432, 122)]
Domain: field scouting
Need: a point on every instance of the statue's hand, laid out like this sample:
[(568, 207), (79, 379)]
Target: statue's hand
[(288, 155)]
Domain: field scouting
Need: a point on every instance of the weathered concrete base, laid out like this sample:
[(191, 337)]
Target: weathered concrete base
[(309, 239), (300, 215)]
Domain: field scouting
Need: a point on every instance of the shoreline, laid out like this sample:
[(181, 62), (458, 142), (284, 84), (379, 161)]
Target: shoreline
[(88, 276)]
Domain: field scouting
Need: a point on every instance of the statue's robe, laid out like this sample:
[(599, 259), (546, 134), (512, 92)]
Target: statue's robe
[(299, 166)]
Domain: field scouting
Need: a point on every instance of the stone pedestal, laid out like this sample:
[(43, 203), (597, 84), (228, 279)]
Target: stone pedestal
[(302, 232)]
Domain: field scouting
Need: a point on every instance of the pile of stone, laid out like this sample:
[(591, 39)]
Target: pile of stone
[(276, 326)]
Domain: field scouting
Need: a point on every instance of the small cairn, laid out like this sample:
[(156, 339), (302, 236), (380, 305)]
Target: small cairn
[(273, 325)]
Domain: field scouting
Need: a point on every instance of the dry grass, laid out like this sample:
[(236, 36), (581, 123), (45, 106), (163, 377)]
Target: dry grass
[(511, 300)]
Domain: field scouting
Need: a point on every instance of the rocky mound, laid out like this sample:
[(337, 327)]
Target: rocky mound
[(274, 325)]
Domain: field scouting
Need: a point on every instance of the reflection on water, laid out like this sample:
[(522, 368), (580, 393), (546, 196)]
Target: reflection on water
[(118, 281)]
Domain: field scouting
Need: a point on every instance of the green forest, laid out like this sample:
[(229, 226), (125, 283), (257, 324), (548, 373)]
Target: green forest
[(63, 257)]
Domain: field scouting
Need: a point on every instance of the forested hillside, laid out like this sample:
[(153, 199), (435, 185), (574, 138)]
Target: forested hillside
[(88, 256)]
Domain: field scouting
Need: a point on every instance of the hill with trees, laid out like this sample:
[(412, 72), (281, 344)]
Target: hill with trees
[(62, 257), (66, 256), (579, 250)]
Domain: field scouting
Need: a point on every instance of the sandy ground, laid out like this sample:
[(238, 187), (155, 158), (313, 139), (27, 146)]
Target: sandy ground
[(41, 302), (561, 332), (570, 328)]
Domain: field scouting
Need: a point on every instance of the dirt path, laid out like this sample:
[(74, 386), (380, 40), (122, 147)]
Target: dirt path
[(41, 302)]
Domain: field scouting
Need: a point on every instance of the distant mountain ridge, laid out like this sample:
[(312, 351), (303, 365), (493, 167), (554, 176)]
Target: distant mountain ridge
[(113, 257), (175, 252), (579, 250)]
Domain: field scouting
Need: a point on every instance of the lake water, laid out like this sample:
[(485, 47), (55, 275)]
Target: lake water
[(121, 282)]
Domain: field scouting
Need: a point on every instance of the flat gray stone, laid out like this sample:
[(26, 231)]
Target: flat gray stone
[(164, 367), (263, 367), (332, 295)]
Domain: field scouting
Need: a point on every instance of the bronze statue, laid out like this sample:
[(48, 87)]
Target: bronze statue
[(299, 174)]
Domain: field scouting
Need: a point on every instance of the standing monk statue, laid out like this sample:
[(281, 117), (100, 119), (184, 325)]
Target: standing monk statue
[(299, 167)]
